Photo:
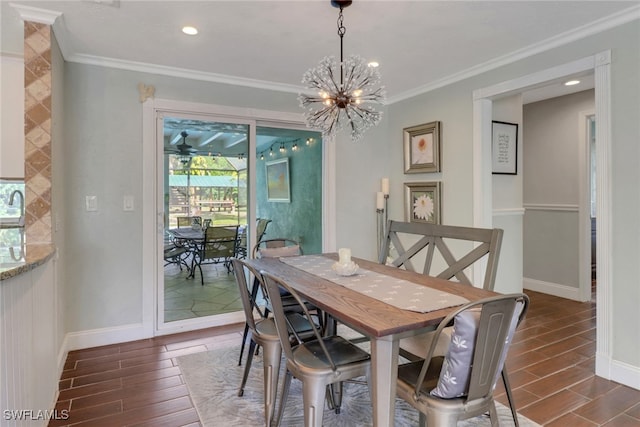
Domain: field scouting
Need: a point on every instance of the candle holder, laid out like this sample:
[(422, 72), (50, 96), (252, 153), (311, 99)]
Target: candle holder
[(381, 227), (386, 214)]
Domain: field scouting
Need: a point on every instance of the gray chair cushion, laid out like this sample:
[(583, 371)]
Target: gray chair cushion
[(456, 368)]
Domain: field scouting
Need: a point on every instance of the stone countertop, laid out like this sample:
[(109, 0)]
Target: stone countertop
[(17, 260)]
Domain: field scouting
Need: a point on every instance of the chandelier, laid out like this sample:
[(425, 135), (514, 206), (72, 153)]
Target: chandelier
[(343, 91)]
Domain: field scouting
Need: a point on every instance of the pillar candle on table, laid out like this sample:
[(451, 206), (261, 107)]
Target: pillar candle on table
[(345, 255)]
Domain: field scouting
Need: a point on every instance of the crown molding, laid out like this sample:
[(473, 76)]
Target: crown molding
[(592, 28), (183, 73), (35, 14)]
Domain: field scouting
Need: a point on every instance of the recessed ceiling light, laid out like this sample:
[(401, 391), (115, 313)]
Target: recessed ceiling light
[(192, 31), (572, 82), (373, 64)]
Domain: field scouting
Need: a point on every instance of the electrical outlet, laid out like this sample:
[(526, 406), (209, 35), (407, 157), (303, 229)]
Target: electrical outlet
[(91, 203), (128, 203)]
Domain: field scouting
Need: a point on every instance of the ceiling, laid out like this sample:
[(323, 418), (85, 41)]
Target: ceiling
[(420, 45)]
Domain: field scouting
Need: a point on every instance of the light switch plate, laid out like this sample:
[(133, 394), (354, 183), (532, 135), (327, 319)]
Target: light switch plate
[(91, 203), (128, 203)]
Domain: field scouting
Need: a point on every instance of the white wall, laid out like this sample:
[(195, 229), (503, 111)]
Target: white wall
[(552, 148), (11, 116), (29, 362), (507, 203)]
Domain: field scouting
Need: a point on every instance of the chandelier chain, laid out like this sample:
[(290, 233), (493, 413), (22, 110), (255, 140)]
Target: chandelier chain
[(341, 32)]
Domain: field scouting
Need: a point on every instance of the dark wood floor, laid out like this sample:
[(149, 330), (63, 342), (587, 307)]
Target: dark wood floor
[(551, 367)]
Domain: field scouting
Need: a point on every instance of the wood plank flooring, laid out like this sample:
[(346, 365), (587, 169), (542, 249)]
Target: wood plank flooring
[(551, 367)]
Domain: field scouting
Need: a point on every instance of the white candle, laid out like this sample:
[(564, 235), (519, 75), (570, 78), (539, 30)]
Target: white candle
[(379, 200), (385, 186), (345, 255)]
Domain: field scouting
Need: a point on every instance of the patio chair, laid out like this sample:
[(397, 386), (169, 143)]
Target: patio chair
[(276, 248), (188, 221), (460, 385), (261, 228), (219, 247), (319, 364), (175, 253)]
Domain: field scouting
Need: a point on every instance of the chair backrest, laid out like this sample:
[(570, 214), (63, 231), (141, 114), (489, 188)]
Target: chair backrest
[(188, 221), (276, 248), (220, 242), (498, 318), (261, 228), (435, 238), (284, 327), (248, 304)]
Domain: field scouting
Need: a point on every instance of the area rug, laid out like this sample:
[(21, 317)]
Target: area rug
[(213, 378)]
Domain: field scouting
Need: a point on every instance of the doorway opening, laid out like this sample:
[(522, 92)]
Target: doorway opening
[(600, 65)]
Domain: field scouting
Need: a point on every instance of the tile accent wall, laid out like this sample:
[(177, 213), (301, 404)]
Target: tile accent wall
[(37, 130)]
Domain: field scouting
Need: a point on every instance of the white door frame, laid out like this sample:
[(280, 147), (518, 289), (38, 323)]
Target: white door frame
[(152, 170), (483, 98)]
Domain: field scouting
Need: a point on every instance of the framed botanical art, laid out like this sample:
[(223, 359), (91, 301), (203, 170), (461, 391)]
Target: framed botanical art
[(423, 202), (422, 148), (277, 177), (504, 148)]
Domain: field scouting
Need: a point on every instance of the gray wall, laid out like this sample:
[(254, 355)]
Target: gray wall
[(551, 187), (103, 157)]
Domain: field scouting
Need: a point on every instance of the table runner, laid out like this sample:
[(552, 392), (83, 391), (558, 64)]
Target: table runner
[(399, 293)]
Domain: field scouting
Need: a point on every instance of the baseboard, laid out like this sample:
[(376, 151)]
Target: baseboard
[(617, 371), (626, 374), (106, 336), (555, 289)]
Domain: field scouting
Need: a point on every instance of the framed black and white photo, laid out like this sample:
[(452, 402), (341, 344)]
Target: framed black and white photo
[(504, 148)]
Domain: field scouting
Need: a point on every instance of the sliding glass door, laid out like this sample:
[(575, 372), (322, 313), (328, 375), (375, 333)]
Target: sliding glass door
[(205, 207), (209, 187)]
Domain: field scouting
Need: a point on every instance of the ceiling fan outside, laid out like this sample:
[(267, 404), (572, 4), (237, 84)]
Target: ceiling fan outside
[(183, 147)]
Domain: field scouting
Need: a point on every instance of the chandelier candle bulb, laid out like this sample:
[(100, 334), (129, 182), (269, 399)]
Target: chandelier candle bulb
[(385, 186), (380, 200), (345, 255)]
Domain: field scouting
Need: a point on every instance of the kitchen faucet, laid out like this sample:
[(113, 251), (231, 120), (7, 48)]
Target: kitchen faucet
[(11, 197)]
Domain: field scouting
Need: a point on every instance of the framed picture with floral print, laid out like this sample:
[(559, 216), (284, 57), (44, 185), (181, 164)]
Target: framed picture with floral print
[(422, 148), (423, 202)]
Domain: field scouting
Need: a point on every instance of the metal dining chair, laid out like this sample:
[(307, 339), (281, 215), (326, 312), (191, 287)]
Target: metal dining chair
[(263, 334), (272, 248), (319, 364), (460, 385)]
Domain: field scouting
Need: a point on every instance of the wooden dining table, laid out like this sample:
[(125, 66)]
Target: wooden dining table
[(382, 323)]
